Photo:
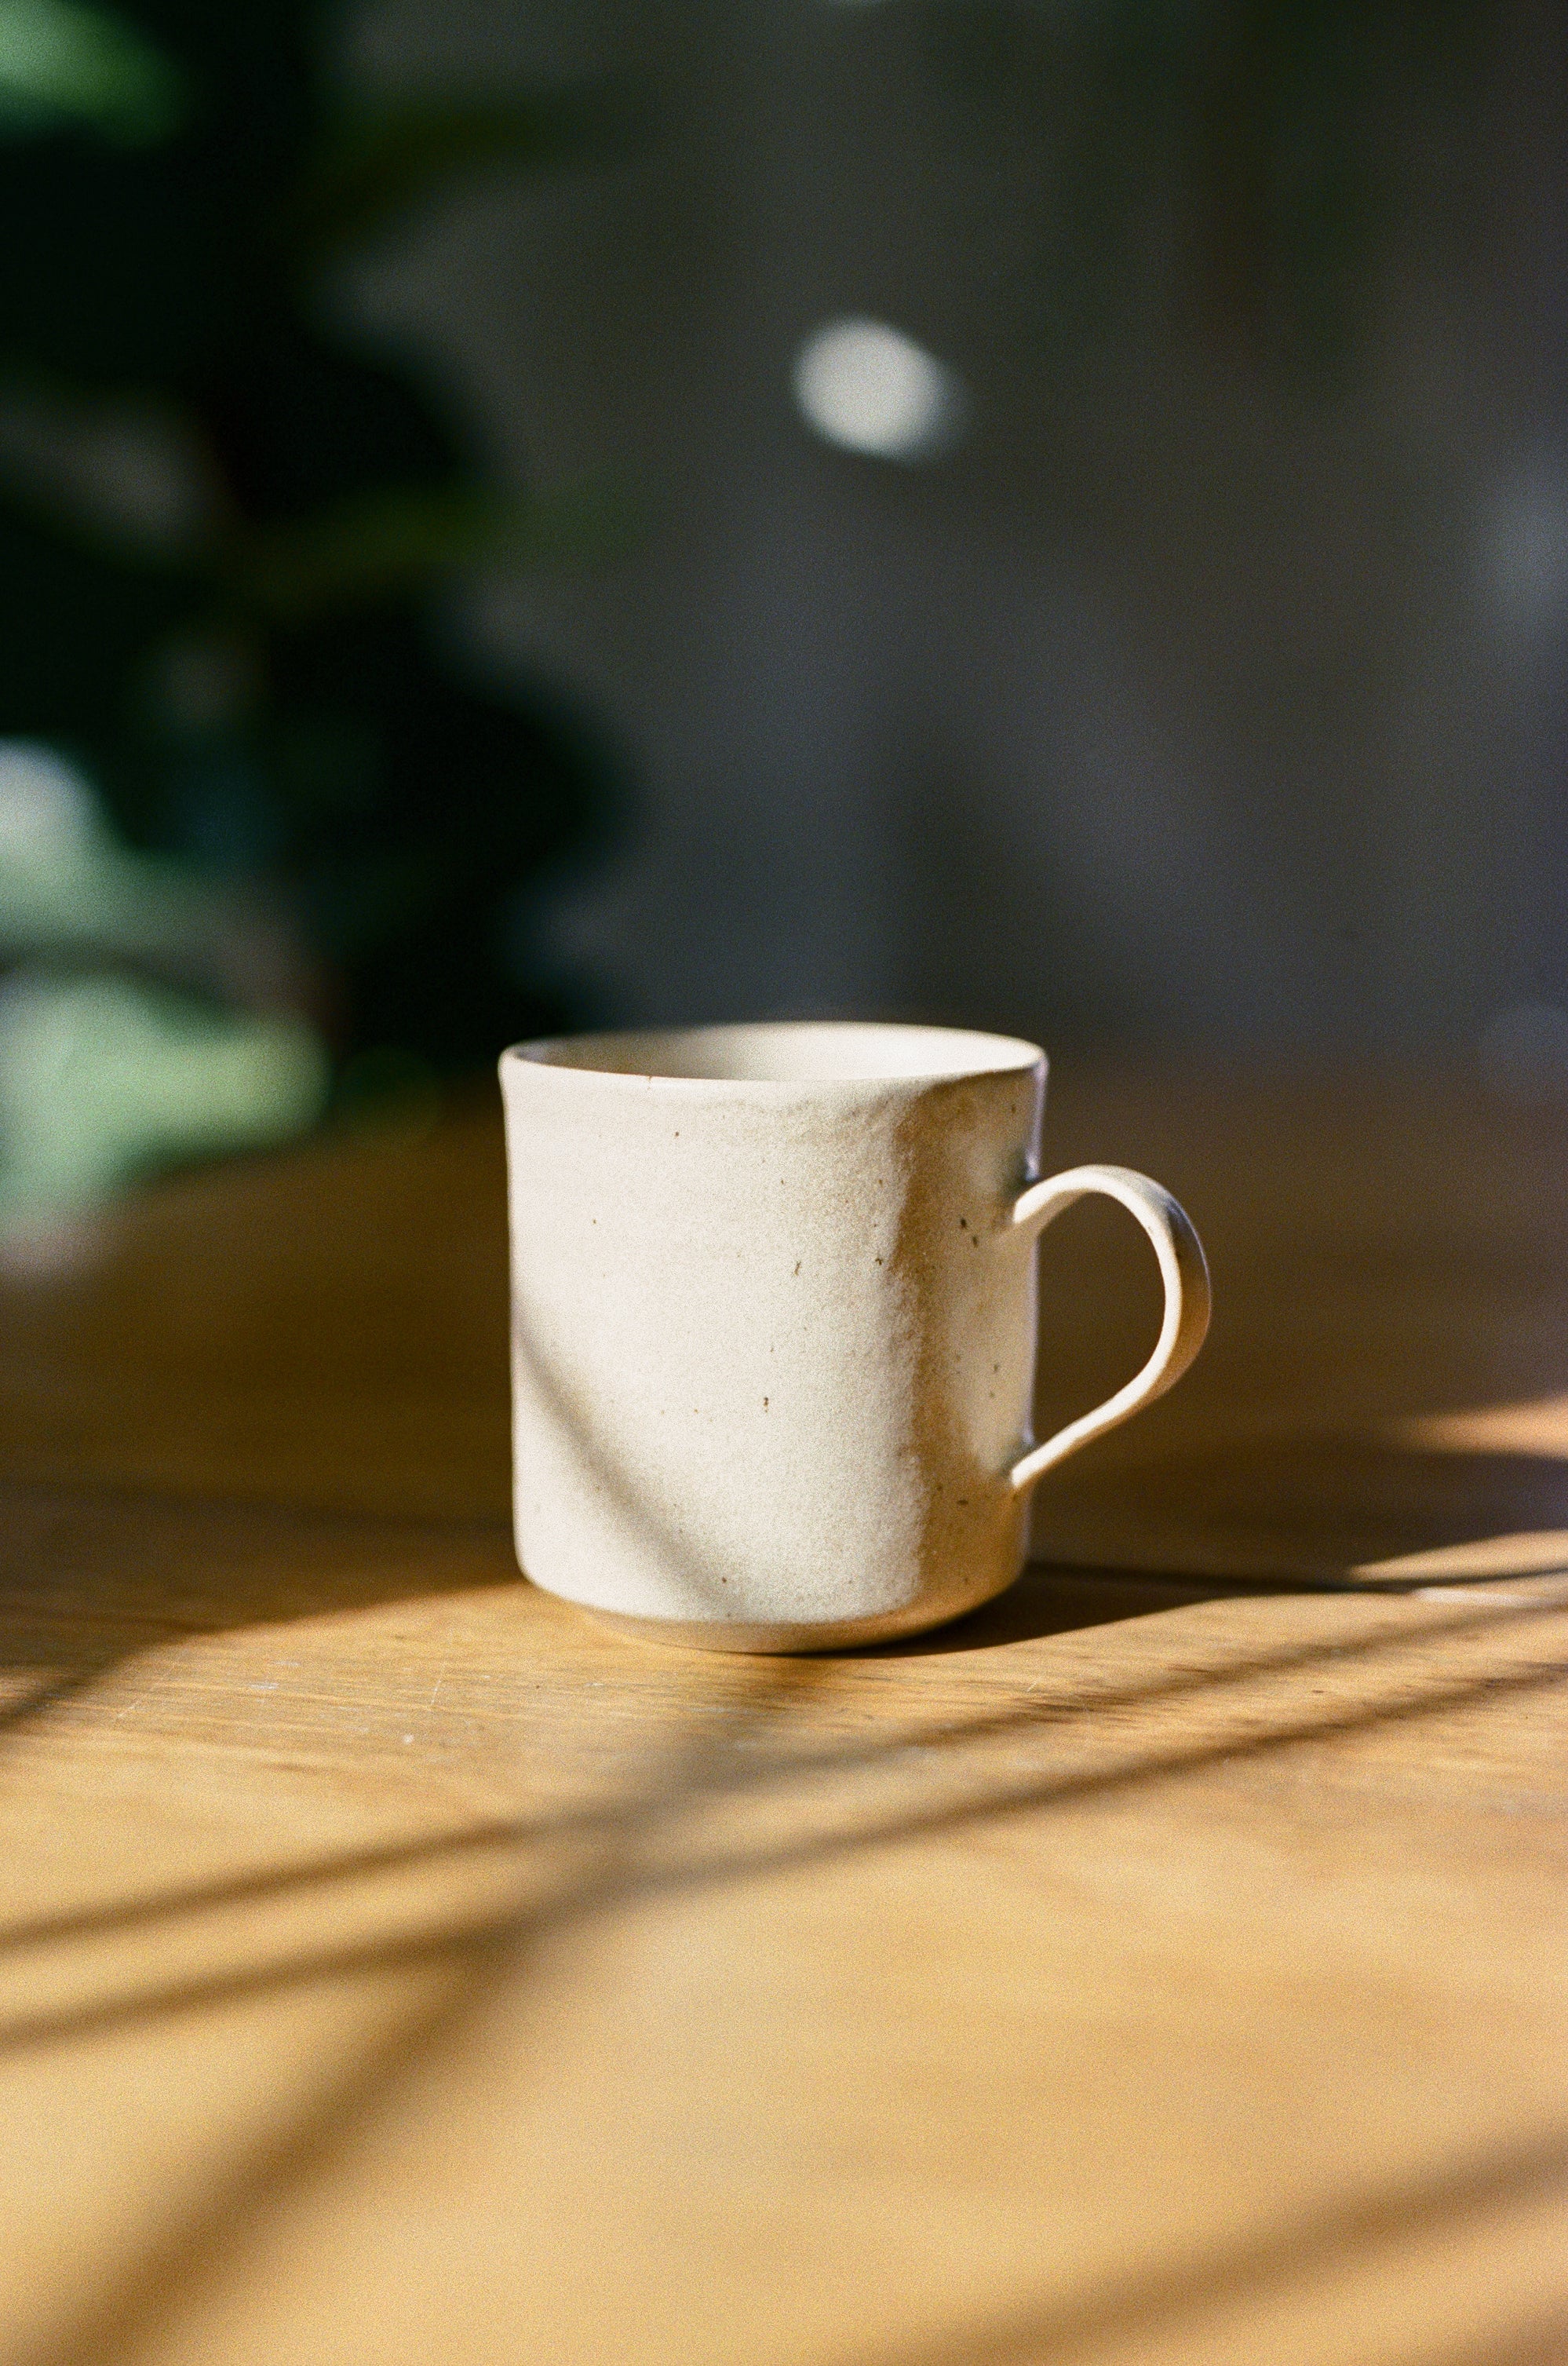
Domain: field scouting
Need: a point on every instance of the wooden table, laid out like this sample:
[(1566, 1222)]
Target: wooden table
[(1172, 1964)]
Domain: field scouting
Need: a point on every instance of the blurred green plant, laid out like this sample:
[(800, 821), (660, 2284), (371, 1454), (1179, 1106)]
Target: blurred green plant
[(62, 64), (106, 1070), (224, 532)]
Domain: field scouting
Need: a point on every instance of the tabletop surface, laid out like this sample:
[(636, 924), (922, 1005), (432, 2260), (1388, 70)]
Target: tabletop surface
[(1169, 1964)]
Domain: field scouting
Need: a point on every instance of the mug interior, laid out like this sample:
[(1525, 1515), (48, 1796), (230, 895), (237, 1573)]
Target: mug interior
[(789, 1052)]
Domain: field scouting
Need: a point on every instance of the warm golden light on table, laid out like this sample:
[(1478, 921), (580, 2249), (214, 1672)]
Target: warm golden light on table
[(1168, 1965)]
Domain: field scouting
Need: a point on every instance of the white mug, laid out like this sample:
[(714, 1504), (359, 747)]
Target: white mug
[(773, 1315)]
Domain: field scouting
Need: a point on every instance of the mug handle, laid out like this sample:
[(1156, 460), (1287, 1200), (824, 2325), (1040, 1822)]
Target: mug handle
[(1187, 1303)]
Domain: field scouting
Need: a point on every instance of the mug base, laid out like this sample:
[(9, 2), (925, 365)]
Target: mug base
[(784, 1639)]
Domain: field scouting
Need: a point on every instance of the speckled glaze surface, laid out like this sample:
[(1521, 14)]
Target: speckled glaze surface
[(773, 1325)]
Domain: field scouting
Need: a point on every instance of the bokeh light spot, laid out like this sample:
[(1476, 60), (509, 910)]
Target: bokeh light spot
[(870, 388)]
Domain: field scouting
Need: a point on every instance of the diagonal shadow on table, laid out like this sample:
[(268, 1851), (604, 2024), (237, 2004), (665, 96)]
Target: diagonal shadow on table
[(488, 1953), (483, 1954), (710, 1772), (1345, 1508), (89, 1579), (724, 1772), (1541, 2339), (701, 1775), (1142, 2308), (484, 1960)]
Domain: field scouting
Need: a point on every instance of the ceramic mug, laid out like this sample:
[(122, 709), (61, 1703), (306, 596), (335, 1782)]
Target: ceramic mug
[(773, 1310)]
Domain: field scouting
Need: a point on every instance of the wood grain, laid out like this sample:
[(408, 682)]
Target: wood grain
[(1169, 1964)]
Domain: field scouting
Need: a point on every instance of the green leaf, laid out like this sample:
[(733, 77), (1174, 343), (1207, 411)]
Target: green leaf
[(124, 473), (389, 543), (63, 64)]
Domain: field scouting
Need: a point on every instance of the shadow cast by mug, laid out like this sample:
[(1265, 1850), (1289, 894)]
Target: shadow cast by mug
[(1359, 1509), (1274, 1517), (1226, 1523), (1047, 1601)]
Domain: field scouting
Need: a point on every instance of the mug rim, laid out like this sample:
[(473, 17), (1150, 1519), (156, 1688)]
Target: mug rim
[(970, 1053)]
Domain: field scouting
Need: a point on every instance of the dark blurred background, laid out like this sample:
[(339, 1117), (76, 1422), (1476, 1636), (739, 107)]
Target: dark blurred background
[(1043, 514)]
